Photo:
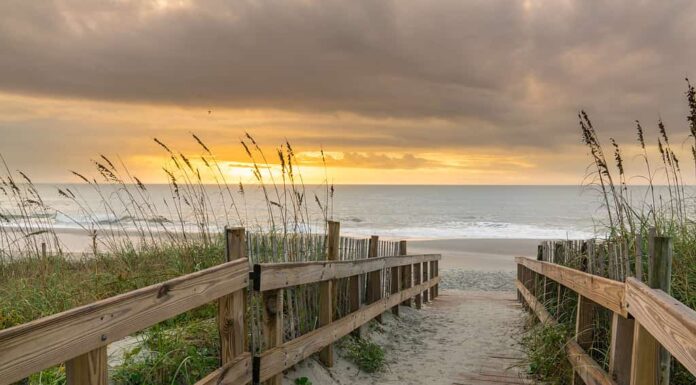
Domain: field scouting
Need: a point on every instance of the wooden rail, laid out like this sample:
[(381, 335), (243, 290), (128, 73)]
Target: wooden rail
[(645, 319), (271, 279), (79, 337)]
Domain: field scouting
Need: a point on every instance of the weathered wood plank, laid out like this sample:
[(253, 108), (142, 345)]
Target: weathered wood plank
[(273, 324), (282, 275), (231, 307), (603, 291), (88, 369), (586, 368), (238, 371), (621, 348), (670, 322), (327, 296), (276, 360), (48, 341)]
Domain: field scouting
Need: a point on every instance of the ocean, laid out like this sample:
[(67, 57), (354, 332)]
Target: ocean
[(400, 212)]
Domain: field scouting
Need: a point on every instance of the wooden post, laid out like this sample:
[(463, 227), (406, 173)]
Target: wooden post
[(431, 270), (436, 288), (273, 325), (620, 349), (406, 273), (395, 284), (584, 324), (327, 296), (374, 278), (417, 279), (650, 362), (231, 308), (426, 278), (88, 369)]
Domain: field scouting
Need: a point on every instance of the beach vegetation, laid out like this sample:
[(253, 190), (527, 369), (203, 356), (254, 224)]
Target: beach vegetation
[(366, 354), (137, 237)]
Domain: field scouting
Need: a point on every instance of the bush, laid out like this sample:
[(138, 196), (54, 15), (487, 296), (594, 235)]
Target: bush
[(366, 354)]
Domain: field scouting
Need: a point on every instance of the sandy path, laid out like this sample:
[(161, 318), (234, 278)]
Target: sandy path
[(449, 341)]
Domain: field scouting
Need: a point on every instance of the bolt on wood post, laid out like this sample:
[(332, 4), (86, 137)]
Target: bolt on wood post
[(327, 295), (650, 362), (374, 278), (273, 325), (88, 369), (231, 308), (406, 273)]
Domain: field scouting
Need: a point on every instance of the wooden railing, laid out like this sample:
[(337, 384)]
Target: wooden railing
[(79, 337), (644, 321), (271, 279)]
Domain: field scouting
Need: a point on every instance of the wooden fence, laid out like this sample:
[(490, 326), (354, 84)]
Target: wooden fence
[(647, 324), (79, 337)]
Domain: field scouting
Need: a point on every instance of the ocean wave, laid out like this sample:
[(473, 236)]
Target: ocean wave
[(475, 230)]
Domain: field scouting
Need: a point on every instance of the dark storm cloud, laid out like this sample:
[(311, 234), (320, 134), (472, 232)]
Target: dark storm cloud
[(499, 72)]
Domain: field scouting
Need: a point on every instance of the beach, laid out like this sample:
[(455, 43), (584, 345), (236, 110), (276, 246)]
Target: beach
[(477, 288)]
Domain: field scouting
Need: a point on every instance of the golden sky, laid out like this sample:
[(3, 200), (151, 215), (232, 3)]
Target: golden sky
[(448, 92)]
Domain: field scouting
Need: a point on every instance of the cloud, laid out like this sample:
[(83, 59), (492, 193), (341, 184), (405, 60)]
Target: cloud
[(359, 76)]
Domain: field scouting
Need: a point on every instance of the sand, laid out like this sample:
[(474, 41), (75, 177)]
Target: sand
[(472, 329)]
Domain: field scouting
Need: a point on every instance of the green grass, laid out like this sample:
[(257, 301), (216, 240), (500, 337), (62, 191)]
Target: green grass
[(367, 355), (547, 359)]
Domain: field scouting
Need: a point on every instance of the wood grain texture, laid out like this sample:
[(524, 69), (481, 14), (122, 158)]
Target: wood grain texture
[(645, 357), (273, 325), (586, 368), (282, 275), (621, 348), (88, 369), (231, 307), (236, 372), (48, 341), (603, 291), (669, 321), (283, 357)]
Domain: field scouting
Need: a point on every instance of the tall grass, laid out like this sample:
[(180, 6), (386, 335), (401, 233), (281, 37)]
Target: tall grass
[(137, 237), (662, 204)]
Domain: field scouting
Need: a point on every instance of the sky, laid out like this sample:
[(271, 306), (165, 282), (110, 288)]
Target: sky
[(402, 92)]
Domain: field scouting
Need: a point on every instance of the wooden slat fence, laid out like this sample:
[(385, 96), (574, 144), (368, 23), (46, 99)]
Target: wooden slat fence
[(79, 337), (645, 320)]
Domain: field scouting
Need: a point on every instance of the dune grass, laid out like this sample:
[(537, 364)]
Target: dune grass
[(664, 205), (137, 240)]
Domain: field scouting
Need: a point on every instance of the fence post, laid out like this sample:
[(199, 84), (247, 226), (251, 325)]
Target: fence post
[(395, 284), (231, 308), (436, 288), (650, 362), (374, 278), (406, 272), (431, 270), (273, 325), (417, 279), (327, 300), (426, 278), (88, 369)]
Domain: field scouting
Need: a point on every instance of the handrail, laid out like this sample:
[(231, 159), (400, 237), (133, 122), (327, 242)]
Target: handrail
[(604, 291), (42, 343), (671, 323), (272, 276), (286, 355)]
